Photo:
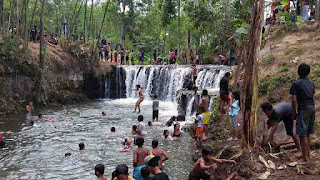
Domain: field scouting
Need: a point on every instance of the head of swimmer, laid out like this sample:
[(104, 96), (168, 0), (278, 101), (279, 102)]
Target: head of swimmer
[(82, 146), (140, 118), (99, 170), (207, 152), (138, 86), (127, 141), (166, 133), (40, 116), (104, 113), (139, 141), (155, 143), (113, 129), (177, 127), (150, 123)]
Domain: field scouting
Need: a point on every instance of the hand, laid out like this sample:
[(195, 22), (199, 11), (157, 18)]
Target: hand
[(214, 166), (231, 161)]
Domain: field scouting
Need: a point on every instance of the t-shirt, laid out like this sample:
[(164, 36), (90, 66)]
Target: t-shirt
[(304, 89), (200, 119), (155, 105), (235, 108), (281, 112), (161, 176), (224, 85)]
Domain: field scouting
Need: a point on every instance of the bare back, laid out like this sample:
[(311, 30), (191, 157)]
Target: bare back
[(158, 152), (205, 103), (138, 156), (196, 170)]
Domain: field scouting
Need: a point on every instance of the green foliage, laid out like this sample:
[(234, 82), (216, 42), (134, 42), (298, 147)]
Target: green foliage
[(284, 68), (268, 59), (315, 74), (8, 46), (269, 84), (286, 28), (215, 109)]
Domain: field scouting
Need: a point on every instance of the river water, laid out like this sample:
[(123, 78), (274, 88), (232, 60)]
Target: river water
[(38, 152)]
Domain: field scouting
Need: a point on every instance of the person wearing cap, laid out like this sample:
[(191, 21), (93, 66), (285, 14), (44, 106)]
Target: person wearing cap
[(153, 166), (121, 173)]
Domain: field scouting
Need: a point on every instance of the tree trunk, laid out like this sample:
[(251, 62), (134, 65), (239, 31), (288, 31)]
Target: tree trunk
[(179, 38), (104, 16), (26, 25), (91, 21), (250, 95), (42, 57), (84, 22), (2, 17), (32, 17), (123, 31), (76, 18), (73, 17), (317, 10)]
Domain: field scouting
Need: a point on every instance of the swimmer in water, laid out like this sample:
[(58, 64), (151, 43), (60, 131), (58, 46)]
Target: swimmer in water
[(176, 132), (134, 130), (67, 154), (150, 123), (158, 152), (138, 158), (113, 129), (104, 113), (2, 143), (141, 98), (29, 111), (141, 126), (99, 171), (82, 147), (40, 118), (127, 145), (167, 135), (145, 173), (122, 173)]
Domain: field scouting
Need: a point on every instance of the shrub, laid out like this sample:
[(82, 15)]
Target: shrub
[(315, 74), (284, 69), (268, 84), (268, 59)]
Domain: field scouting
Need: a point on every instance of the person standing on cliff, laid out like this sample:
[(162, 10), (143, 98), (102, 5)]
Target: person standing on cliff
[(224, 94), (29, 111), (194, 73), (302, 91), (132, 57), (127, 56)]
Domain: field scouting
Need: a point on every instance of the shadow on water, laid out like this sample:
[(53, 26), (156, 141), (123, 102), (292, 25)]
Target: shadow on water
[(38, 152)]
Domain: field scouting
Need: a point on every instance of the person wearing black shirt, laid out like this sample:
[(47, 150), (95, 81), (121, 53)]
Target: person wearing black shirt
[(155, 169), (224, 93), (280, 112), (302, 91)]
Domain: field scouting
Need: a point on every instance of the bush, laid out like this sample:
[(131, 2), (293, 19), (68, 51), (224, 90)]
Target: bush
[(286, 27), (268, 59), (214, 109), (315, 74), (284, 69), (268, 84)]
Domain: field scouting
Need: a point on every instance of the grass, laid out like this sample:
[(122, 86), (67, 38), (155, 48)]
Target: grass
[(268, 84), (284, 69), (315, 74), (268, 59), (296, 51)]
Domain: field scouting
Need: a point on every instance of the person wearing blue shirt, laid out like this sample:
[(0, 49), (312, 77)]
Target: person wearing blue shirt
[(234, 112)]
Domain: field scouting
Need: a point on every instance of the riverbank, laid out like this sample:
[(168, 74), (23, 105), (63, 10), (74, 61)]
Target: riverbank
[(66, 77)]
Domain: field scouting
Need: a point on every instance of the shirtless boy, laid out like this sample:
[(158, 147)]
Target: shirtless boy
[(29, 111), (158, 152), (207, 162), (99, 171), (205, 104), (138, 158)]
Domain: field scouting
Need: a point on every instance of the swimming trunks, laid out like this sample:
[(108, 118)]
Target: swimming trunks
[(136, 173), (199, 132), (206, 118)]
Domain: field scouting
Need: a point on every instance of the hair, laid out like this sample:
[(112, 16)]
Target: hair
[(205, 92), (236, 95), (99, 168), (207, 150), (113, 129), (67, 154), (145, 172), (39, 115), (155, 143), (122, 169), (125, 141), (173, 118), (227, 74), (140, 118), (153, 163), (139, 141), (81, 145), (201, 108), (164, 132), (303, 70), (134, 127), (174, 126), (266, 106), (149, 123), (155, 96), (138, 86)]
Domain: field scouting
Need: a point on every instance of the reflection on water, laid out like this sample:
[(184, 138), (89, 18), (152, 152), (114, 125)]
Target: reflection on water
[(38, 152)]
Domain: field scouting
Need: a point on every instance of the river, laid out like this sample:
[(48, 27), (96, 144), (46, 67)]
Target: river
[(37, 152)]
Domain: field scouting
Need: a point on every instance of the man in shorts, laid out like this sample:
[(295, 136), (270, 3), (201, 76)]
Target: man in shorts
[(224, 93), (302, 91), (280, 112)]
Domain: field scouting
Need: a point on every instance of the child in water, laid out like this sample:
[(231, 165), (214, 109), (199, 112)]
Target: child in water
[(82, 147), (207, 162), (127, 145), (235, 107), (167, 135), (99, 171), (134, 130), (176, 132)]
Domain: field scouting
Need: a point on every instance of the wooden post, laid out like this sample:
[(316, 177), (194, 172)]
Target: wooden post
[(250, 92)]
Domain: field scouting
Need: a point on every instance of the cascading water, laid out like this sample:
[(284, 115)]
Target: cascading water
[(163, 81)]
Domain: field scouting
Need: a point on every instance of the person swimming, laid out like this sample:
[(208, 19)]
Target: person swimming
[(127, 145), (104, 113), (134, 130), (167, 135), (176, 133), (113, 129), (171, 121), (40, 117), (99, 171), (29, 111), (141, 126), (150, 123), (67, 154), (82, 147)]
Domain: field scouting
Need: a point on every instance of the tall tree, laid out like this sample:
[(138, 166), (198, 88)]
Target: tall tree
[(84, 21), (41, 56), (32, 17), (250, 91), (179, 37), (317, 10), (2, 17)]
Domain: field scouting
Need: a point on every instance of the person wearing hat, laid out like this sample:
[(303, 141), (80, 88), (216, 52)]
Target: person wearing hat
[(121, 173), (153, 166)]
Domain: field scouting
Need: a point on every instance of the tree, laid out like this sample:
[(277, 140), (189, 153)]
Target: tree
[(250, 91), (41, 56)]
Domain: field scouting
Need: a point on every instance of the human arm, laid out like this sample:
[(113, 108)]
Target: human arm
[(139, 129), (166, 157), (203, 166), (294, 105), (135, 158), (273, 128), (222, 160)]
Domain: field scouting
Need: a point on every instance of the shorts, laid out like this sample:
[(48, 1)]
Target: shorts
[(305, 122), (204, 176), (155, 114), (136, 172), (29, 117), (225, 97), (234, 121), (139, 101), (199, 131), (288, 123), (206, 118)]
